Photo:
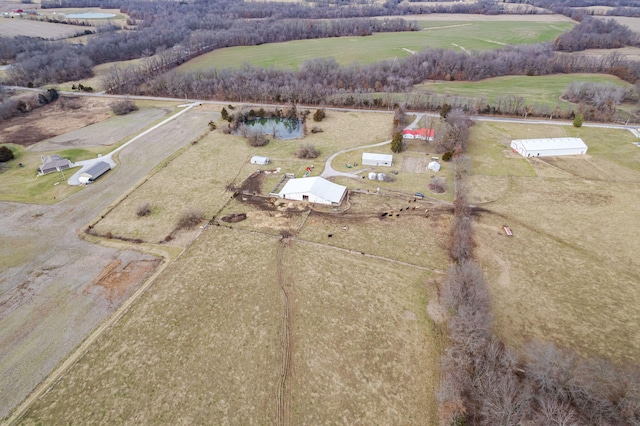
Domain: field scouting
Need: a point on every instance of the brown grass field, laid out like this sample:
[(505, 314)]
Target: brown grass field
[(305, 315), (570, 272), (214, 340), (200, 176), (247, 327), (28, 28)]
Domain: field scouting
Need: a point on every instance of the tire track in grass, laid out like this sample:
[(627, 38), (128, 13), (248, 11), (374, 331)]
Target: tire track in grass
[(283, 392)]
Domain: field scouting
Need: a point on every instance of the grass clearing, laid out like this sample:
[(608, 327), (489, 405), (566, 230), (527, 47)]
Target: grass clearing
[(569, 273), (380, 46), (536, 90)]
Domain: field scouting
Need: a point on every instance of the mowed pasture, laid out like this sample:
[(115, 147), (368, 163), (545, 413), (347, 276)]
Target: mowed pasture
[(210, 341), (536, 90), (46, 30), (458, 35), (570, 272)]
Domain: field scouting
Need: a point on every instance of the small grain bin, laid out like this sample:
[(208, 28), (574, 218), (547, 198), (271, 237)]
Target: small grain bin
[(373, 176), (382, 176)]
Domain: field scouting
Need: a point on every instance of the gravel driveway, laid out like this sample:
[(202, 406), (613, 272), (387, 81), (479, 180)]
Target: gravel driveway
[(47, 303)]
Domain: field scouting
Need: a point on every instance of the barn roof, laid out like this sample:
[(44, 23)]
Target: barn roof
[(317, 186), (378, 157), (98, 169), (550, 143)]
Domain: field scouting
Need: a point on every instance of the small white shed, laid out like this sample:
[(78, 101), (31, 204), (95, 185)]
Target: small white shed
[(549, 147), (313, 189), (370, 159), (434, 166), (257, 159)]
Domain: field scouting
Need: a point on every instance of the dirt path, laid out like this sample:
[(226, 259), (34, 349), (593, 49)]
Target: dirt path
[(283, 392)]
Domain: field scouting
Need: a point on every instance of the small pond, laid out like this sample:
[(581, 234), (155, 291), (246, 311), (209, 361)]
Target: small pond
[(280, 128), (90, 15)]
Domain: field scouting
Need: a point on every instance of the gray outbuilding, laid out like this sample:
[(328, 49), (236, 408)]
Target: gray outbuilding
[(94, 172)]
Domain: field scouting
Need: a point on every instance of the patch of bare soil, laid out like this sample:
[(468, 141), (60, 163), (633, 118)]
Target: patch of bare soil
[(234, 217), (52, 120), (252, 185), (117, 279), (414, 165)]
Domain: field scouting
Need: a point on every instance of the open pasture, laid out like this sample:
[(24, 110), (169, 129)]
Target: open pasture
[(28, 28), (536, 90), (569, 273), (203, 176), (215, 340), (458, 35)]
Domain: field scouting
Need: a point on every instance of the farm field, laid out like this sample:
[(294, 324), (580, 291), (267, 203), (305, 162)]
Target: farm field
[(569, 273), (56, 288), (536, 90), (458, 34), (350, 342), (47, 30)]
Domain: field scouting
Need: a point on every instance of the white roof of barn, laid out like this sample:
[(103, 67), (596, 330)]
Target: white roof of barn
[(317, 186), (378, 157), (550, 143)]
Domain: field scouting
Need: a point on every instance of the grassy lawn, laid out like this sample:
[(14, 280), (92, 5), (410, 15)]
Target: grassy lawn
[(364, 50), (537, 90), (569, 273), (21, 184)]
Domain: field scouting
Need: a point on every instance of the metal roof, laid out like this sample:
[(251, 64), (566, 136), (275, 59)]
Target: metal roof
[(97, 169), (317, 186), (550, 143)]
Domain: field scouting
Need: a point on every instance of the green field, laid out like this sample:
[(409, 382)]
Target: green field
[(541, 90), (458, 35)]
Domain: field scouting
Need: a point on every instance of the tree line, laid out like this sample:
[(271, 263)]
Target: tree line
[(485, 382), (376, 85), (592, 33)]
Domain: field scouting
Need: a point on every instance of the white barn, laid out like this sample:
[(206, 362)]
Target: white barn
[(548, 147), (313, 189), (370, 159), (257, 159)]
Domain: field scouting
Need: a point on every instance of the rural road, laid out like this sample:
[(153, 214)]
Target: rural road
[(633, 127)]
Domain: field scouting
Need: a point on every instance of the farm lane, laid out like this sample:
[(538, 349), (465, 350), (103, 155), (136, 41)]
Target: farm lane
[(48, 304)]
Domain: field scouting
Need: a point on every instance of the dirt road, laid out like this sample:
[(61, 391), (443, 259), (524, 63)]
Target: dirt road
[(52, 293)]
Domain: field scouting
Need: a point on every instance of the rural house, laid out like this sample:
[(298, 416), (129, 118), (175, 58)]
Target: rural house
[(313, 189), (94, 172), (53, 163), (421, 134), (370, 159), (548, 147)]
